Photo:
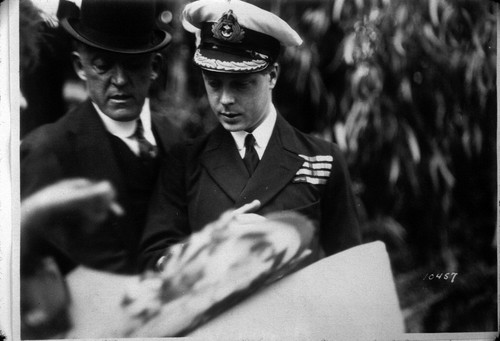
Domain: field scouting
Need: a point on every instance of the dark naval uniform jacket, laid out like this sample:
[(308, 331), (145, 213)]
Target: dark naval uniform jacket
[(78, 145), (207, 176)]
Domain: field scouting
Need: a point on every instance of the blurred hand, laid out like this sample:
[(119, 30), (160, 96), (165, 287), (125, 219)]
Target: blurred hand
[(67, 212), (244, 216), (92, 200)]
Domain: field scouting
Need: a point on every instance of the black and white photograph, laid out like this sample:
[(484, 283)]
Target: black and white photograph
[(249, 169)]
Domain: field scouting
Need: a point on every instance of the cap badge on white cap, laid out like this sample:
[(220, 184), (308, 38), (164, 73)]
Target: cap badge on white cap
[(228, 29)]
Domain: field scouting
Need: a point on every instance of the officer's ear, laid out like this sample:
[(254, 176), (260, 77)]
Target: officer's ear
[(274, 72), (156, 65), (78, 65)]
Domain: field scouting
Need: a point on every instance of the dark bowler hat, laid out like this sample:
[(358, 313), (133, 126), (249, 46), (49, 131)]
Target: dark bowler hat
[(235, 36), (124, 26)]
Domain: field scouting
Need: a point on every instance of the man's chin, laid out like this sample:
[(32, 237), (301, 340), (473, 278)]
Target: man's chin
[(232, 126), (123, 115)]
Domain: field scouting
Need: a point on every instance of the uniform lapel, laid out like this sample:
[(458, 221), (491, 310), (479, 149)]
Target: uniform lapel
[(279, 164), (224, 164)]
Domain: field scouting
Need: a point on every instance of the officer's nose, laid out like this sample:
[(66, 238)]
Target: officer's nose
[(119, 77), (226, 97)]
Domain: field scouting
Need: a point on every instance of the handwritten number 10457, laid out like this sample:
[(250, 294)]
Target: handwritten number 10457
[(441, 276)]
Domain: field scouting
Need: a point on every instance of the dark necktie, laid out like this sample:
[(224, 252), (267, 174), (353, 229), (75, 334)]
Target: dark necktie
[(251, 158), (146, 149)]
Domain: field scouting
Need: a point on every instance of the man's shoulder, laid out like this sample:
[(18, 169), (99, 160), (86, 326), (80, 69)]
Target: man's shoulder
[(315, 141), (169, 132), (308, 144), (191, 150), (56, 134), (191, 147), (47, 134)]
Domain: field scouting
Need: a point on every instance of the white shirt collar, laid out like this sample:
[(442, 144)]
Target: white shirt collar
[(262, 134), (127, 129)]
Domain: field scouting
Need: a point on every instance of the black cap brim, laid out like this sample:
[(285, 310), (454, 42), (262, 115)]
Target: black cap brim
[(160, 39)]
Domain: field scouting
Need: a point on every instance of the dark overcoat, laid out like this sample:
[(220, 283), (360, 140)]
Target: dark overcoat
[(207, 176), (78, 145)]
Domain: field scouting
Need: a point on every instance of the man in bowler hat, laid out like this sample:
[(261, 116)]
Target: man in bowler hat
[(113, 136), (253, 154)]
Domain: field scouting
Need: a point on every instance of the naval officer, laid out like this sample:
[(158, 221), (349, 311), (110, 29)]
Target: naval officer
[(253, 154)]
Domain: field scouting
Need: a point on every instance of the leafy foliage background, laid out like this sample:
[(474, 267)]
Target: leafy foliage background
[(407, 89)]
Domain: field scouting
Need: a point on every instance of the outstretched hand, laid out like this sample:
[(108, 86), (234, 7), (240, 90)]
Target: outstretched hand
[(244, 215), (73, 207), (93, 201)]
